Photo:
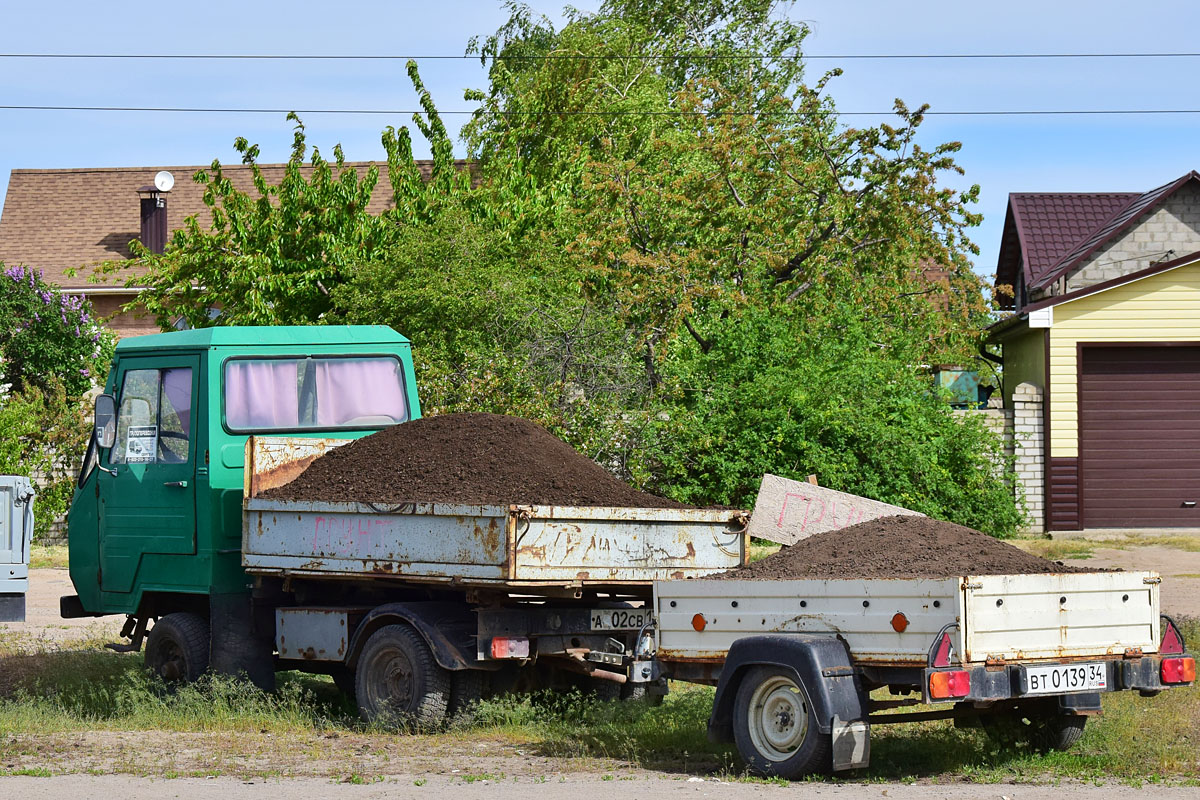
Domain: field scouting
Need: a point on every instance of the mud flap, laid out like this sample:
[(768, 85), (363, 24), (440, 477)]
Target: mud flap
[(239, 647), (851, 744)]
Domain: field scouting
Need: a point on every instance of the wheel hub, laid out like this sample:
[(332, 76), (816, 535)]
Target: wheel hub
[(778, 718)]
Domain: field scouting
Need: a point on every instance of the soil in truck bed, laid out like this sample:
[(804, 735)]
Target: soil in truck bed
[(897, 547), (484, 459)]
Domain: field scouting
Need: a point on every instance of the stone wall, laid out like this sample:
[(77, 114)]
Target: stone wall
[(1173, 226), (1021, 428), (1029, 447)]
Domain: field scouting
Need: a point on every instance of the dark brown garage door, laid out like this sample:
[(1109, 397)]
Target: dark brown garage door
[(1139, 437)]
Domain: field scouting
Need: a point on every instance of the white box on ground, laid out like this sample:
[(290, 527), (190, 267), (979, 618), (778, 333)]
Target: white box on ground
[(787, 511)]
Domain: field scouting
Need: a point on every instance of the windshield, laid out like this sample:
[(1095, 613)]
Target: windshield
[(319, 393)]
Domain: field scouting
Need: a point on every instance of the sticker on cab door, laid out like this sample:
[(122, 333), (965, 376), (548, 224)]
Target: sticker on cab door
[(142, 444)]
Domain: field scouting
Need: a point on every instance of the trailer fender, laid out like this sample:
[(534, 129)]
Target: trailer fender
[(821, 663), (448, 628)]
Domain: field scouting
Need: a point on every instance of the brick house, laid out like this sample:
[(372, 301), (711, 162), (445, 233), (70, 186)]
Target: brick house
[(67, 220), (1102, 355)]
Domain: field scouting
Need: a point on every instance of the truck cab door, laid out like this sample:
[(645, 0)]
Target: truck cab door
[(147, 484)]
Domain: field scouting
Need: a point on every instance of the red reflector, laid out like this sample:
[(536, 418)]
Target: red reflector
[(955, 683), (899, 622), (699, 622), (941, 658), (1172, 642), (510, 648), (1178, 670)]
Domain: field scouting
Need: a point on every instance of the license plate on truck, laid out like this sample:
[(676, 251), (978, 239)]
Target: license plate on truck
[(1066, 678), (619, 619)]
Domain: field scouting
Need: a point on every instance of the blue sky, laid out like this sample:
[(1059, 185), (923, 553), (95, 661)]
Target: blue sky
[(1002, 154)]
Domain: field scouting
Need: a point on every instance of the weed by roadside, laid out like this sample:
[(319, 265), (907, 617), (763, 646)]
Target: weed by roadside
[(53, 556)]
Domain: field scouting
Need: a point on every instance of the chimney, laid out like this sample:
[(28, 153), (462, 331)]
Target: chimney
[(154, 212)]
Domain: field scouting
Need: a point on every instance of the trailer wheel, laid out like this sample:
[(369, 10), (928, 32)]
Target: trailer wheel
[(774, 727), (177, 648), (398, 683), (1042, 732)]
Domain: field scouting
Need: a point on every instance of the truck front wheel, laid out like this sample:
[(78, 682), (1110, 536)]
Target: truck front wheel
[(774, 726), (177, 647), (398, 682)]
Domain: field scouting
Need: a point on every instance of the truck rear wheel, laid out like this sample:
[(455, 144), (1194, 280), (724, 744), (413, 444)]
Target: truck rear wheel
[(398, 682), (177, 648), (774, 726)]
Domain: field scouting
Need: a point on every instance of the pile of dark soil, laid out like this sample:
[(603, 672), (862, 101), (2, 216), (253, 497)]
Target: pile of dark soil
[(463, 458), (897, 547)]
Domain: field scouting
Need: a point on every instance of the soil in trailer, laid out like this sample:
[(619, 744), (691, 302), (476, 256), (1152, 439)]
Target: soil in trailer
[(468, 459), (897, 547)]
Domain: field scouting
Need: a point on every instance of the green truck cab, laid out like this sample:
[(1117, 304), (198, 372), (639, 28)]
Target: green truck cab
[(155, 524)]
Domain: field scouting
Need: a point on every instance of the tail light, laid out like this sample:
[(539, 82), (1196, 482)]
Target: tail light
[(510, 647), (950, 683), (1178, 670)]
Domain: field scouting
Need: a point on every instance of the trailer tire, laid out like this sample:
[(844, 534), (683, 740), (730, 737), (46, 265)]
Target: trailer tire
[(177, 648), (397, 681), (1041, 732), (774, 727)]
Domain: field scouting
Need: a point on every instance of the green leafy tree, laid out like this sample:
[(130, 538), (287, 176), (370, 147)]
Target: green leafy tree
[(52, 351)]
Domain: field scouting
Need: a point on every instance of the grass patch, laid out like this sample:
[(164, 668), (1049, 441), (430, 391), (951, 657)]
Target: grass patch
[(760, 549), (1057, 549), (46, 692), (51, 556)]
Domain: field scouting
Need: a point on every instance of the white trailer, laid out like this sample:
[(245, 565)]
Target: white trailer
[(795, 661)]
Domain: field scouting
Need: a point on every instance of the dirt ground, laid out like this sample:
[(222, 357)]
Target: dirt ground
[(594, 787), (46, 586)]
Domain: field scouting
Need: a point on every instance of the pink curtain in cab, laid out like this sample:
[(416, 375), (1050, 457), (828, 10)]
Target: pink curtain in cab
[(261, 394), (361, 387)]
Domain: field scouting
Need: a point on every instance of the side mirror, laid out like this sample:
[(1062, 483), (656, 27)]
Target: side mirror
[(106, 420)]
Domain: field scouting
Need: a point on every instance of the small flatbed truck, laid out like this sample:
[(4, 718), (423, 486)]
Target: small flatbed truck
[(419, 609)]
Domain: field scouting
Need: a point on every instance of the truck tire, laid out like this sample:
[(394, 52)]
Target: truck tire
[(466, 690), (177, 647), (397, 682), (343, 679), (1041, 732), (774, 727)]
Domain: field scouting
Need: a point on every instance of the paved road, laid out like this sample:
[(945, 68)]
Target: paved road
[(572, 787)]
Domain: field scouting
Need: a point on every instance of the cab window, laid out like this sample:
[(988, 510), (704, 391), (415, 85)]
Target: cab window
[(154, 417), (317, 393)]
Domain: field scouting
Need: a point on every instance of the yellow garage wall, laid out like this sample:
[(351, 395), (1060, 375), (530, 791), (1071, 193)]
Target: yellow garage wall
[(1161, 308), (1024, 361)]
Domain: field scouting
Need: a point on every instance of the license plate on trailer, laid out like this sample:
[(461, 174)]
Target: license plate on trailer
[(619, 619), (1066, 678)]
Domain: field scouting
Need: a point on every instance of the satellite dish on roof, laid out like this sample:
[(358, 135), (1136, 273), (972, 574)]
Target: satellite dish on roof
[(163, 181)]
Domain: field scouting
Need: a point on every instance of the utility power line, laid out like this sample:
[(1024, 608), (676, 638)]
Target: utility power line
[(578, 57), (461, 112)]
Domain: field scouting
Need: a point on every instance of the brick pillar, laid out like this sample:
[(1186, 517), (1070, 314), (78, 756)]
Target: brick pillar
[(1030, 452)]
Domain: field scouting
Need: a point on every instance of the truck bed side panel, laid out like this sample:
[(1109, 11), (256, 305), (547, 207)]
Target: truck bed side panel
[(535, 544)]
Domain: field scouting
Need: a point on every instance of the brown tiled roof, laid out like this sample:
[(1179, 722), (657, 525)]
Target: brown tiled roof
[(56, 220), (1052, 233)]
